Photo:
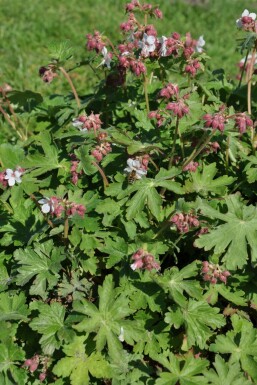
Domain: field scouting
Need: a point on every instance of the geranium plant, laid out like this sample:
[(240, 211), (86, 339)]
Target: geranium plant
[(129, 216)]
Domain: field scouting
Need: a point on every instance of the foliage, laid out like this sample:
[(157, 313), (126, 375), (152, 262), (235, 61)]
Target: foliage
[(128, 214)]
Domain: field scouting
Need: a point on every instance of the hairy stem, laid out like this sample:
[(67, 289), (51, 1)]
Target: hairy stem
[(68, 78), (146, 94), (66, 227), (198, 149), (176, 134), (12, 124), (105, 180)]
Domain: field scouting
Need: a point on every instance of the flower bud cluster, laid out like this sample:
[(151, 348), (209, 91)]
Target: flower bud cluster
[(102, 149), (48, 73), (95, 42), (213, 273), (74, 169), (9, 177), (144, 260), (178, 105), (88, 122), (33, 363), (57, 207), (185, 222), (192, 166), (146, 8), (215, 121), (242, 122)]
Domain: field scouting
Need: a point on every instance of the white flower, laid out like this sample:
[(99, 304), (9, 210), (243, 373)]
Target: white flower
[(107, 58), (135, 165), (199, 45), (147, 44), (163, 49), (121, 336), (12, 176), (47, 205), (246, 13)]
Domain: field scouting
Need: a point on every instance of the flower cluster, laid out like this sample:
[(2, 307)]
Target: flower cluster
[(185, 222), (212, 273), (57, 206), (10, 177), (215, 121), (137, 167), (102, 149), (247, 21), (142, 42), (33, 363), (143, 260), (88, 122)]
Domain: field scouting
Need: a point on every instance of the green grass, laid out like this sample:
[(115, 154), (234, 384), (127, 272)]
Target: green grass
[(27, 27)]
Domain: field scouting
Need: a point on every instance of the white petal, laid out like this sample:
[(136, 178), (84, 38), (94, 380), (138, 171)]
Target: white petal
[(130, 162), (239, 23), (46, 208), (9, 172), (140, 173), (245, 13), (128, 170), (150, 39), (104, 51), (43, 201), (252, 15), (133, 266), (11, 181)]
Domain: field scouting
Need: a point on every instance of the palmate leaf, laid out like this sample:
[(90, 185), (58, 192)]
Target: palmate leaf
[(147, 194), (233, 237), (44, 262), (241, 344), (77, 364), (42, 163), (203, 182), (11, 356), (108, 319), (50, 323), (176, 282), (226, 373), (184, 371), (13, 307), (199, 319)]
